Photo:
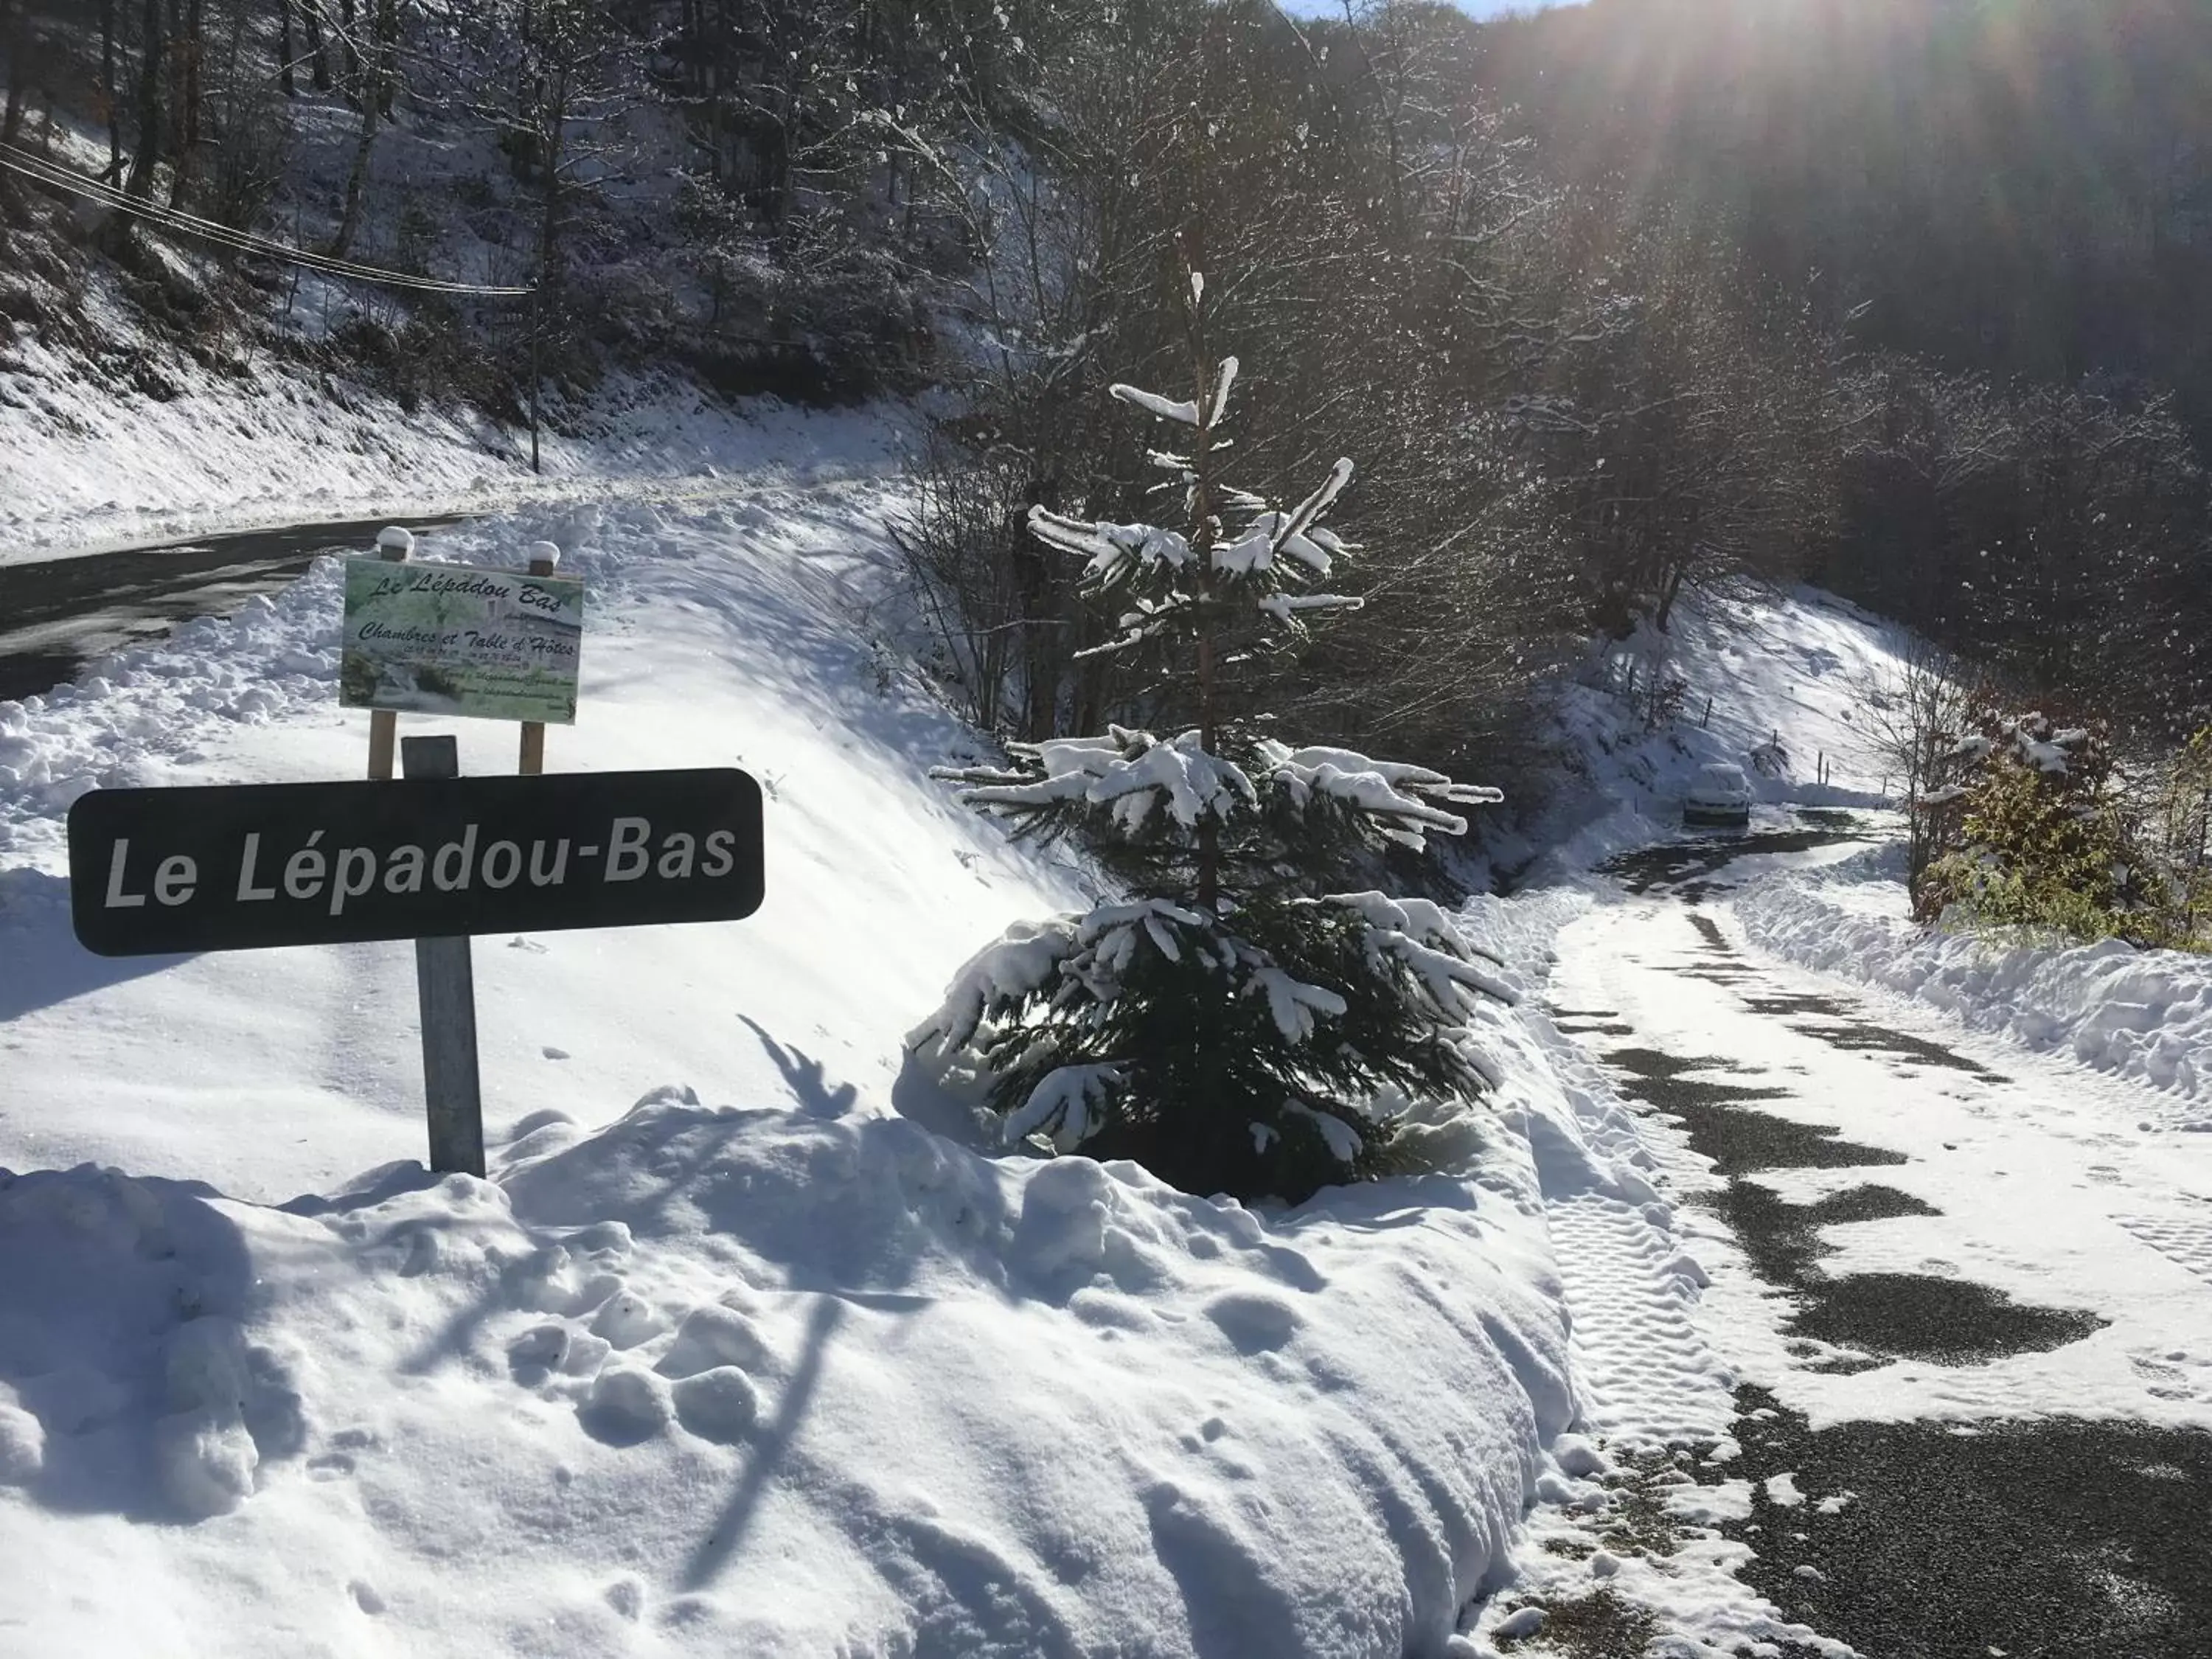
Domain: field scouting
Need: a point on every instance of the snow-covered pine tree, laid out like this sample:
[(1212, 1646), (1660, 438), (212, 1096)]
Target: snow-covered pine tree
[(1235, 1024)]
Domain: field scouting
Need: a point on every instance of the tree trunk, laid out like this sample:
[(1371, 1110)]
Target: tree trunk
[(368, 97), (549, 135), (192, 47), (17, 34), (155, 48), (349, 59), (113, 175), (1670, 589), (172, 136), (387, 55), (1201, 547), (284, 82), (319, 60)]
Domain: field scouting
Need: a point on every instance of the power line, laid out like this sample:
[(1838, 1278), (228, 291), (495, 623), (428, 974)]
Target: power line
[(55, 177)]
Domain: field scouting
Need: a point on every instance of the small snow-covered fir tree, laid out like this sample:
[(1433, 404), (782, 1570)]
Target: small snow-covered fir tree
[(1236, 1024)]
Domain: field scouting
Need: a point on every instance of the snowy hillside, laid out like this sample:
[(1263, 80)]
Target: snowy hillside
[(87, 463), (740, 1348), (1763, 676)]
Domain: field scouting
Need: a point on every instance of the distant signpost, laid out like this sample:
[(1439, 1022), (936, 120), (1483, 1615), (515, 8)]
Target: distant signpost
[(442, 639)]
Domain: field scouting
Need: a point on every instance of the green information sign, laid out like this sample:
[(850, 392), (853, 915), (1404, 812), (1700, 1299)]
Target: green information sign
[(444, 639)]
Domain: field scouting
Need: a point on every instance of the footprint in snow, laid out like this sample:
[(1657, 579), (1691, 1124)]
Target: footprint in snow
[(626, 1596)]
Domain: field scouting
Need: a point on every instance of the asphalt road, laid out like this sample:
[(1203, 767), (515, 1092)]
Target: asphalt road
[(58, 615), (2054, 1537)]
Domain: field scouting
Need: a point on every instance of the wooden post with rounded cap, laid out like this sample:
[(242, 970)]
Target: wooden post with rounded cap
[(544, 557), (394, 543)]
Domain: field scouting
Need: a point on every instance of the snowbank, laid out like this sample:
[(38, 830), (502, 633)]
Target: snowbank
[(757, 1381), (780, 1364), (2143, 1015)]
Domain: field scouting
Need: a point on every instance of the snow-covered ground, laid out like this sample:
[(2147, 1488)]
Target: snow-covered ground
[(87, 467), (1790, 979), (2043, 1184), (752, 1343), (1785, 673), (747, 1344), (2145, 1015)]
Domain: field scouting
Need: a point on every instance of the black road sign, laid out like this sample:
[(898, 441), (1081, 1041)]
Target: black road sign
[(158, 871)]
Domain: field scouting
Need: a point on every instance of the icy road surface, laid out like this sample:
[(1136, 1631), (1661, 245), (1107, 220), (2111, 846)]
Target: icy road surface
[(1965, 1293), (58, 615)]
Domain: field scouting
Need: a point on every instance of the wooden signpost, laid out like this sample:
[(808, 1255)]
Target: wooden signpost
[(544, 557), (446, 999), (433, 856), (408, 643), (393, 544)]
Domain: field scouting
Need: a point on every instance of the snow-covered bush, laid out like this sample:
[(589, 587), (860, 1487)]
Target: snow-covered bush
[(1237, 1024), (2037, 834)]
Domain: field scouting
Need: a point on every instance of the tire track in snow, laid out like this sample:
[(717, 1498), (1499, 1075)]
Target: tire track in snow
[(1645, 1375), (1622, 1552)]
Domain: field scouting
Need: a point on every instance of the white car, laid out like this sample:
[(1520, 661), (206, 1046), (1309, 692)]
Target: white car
[(1720, 795)]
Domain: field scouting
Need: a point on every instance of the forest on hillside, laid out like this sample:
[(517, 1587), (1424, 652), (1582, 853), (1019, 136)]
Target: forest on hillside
[(1613, 302)]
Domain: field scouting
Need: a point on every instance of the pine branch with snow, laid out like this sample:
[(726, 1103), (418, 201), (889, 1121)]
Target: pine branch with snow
[(1240, 561), (1265, 1053), (1278, 814)]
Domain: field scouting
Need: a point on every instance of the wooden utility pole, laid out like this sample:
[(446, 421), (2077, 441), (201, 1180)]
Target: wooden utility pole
[(537, 327)]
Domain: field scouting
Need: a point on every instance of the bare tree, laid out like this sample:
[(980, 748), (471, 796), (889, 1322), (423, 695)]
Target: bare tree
[(372, 90), (1914, 715), (153, 51)]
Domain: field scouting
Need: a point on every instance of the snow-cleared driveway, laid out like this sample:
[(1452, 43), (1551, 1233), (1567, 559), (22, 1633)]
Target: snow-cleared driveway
[(1967, 1292)]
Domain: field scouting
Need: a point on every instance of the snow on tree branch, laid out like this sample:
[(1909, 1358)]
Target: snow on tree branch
[(1154, 403), (1420, 919), (1116, 551), (1131, 773), (1285, 607), (1010, 969), (1068, 1106), (1109, 937), (1221, 392), (1398, 793), (1293, 1003), (1303, 515), (1420, 935), (1342, 1140)]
